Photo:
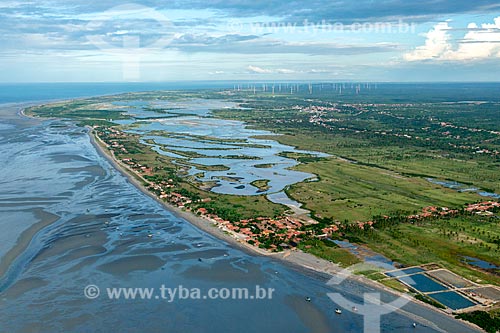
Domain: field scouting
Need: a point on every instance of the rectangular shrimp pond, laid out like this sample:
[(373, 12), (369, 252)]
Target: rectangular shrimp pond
[(425, 283), (452, 299)]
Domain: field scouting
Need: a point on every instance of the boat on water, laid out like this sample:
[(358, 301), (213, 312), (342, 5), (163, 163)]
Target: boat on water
[(354, 309), (308, 299), (338, 311)]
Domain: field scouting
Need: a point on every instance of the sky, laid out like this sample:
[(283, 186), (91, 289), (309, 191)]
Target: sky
[(333, 40)]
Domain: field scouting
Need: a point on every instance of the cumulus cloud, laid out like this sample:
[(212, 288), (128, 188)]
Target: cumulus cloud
[(479, 43), (436, 44)]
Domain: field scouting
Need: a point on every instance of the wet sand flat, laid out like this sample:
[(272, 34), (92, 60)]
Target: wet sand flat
[(23, 241)]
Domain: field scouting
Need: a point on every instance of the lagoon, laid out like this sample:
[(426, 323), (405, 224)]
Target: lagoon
[(190, 130)]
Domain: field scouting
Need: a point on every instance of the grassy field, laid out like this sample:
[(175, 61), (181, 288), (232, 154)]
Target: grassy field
[(348, 191), (329, 251), (416, 162)]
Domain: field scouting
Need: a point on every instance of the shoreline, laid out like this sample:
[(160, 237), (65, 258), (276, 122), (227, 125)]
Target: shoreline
[(296, 259), (197, 221)]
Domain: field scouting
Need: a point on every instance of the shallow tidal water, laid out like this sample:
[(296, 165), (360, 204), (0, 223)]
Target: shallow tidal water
[(68, 220)]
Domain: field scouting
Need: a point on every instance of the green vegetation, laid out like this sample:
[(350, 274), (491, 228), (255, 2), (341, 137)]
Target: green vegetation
[(300, 157), (329, 251), (394, 284), (348, 191), (441, 240), (430, 301), (382, 155), (444, 141), (261, 184), (490, 322), (216, 167), (263, 166)]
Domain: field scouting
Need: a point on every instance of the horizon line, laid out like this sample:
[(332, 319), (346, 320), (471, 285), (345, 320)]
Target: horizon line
[(246, 81)]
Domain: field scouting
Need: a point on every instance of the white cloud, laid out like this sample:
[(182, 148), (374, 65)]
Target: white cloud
[(259, 70), (285, 71), (479, 43), (436, 44), (15, 4)]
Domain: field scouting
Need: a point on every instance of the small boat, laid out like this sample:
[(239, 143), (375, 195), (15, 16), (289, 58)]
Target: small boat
[(354, 309), (414, 325), (308, 299), (338, 311)]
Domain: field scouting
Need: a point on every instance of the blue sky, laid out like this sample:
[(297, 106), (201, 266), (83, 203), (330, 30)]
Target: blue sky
[(335, 40)]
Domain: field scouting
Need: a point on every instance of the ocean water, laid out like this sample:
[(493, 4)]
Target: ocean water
[(378, 92), (28, 92), (105, 232)]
